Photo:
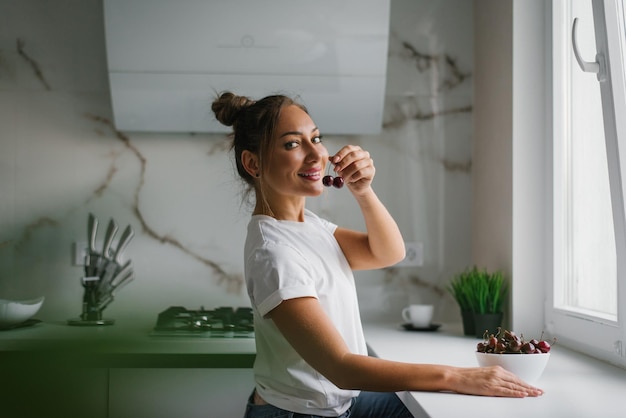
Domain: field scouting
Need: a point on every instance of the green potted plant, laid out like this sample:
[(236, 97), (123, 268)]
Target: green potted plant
[(460, 287), (480, 296), (487, 302)]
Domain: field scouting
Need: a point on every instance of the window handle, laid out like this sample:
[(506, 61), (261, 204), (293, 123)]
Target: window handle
[(597, 66)]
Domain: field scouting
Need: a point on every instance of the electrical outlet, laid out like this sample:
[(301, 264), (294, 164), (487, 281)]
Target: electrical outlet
[(414, 255), (79, 252)]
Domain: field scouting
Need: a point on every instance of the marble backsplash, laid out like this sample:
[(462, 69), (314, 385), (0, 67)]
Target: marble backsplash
[(62, 158)]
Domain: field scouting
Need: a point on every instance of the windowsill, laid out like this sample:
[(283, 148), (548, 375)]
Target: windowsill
[(575, 385)]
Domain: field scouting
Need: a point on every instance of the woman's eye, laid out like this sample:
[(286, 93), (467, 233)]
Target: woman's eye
[(317, 139), (291, 145)]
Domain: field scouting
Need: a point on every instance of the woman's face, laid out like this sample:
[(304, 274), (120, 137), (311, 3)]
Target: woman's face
[(297, 158)]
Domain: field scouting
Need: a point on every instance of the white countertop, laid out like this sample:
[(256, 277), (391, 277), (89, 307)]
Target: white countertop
[(575, 385)]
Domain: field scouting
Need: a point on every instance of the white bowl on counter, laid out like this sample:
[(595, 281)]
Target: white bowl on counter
[(14, 312), (528, 367)]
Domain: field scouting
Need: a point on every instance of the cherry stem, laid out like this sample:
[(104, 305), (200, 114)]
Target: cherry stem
[(328, 167)]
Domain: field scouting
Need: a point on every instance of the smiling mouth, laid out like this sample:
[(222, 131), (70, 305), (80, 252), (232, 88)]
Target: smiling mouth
[(311, 176)]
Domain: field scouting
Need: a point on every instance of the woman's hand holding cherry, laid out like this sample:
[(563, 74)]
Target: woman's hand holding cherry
[(355, 168)]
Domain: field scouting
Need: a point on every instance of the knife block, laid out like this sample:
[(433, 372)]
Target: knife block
[(91, 313)]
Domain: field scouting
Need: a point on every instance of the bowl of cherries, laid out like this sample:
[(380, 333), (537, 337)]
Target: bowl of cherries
[(527, 359)]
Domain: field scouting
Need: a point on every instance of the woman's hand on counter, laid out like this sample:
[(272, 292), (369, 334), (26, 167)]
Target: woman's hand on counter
[(491, 381)]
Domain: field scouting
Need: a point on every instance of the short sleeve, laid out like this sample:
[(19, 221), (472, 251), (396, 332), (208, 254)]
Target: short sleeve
[(326, 224), (277, 273)]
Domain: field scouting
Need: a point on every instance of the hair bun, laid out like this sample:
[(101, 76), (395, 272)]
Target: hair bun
[(227, 107)]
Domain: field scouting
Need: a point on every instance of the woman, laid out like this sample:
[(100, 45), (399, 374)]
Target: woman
[(311, 353)]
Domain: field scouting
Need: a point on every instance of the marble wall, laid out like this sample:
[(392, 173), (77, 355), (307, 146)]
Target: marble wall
[(61, 158)]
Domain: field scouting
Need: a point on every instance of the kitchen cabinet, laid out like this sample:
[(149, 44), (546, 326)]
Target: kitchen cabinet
[(52, 370), (189, 393), (124, 393), (54, 392)]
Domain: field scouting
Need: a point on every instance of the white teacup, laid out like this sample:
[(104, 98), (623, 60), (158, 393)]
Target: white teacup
[(419, 316)]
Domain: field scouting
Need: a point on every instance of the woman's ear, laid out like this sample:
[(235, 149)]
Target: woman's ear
[(250, 163)]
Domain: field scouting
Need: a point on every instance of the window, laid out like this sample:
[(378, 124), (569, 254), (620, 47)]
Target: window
[(589, 168)]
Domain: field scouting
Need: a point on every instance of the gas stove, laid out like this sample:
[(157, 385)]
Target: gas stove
[(223, 322)]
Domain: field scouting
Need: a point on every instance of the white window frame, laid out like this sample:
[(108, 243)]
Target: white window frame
[(600, 337)]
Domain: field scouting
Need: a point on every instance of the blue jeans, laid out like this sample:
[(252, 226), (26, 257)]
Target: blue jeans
[(366, 405)]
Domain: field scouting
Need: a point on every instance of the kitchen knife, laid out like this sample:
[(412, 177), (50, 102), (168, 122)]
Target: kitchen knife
[(125, 239), (125, 271), (104, 303), (92, 230), (105, 257), (123, 282), (113, 274), (114, 266), (104, 285), (107, 299)]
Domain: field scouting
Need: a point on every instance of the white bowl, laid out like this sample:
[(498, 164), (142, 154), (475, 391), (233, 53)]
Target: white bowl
[(13, 312), (528, 367)]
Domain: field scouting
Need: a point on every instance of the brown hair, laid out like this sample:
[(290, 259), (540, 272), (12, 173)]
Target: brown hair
[(254, 123)]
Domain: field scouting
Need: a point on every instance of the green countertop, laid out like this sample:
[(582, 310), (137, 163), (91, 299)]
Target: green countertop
[(113, 346)]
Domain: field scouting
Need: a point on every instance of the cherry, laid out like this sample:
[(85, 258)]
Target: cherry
[(329, 180), (528, 348), (543, 346), (510, 336), (507, 342), (514, 346)]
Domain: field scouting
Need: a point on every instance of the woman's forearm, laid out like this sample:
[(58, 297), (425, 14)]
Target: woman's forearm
[(384, 237)]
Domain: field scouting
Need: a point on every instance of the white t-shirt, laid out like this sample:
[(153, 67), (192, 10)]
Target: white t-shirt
[(286, 260)]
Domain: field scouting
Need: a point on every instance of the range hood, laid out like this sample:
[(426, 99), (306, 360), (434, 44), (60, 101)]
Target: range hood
[(168, 59)]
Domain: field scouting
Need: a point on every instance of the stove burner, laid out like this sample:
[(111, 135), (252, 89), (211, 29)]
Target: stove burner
[(221, 322)]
